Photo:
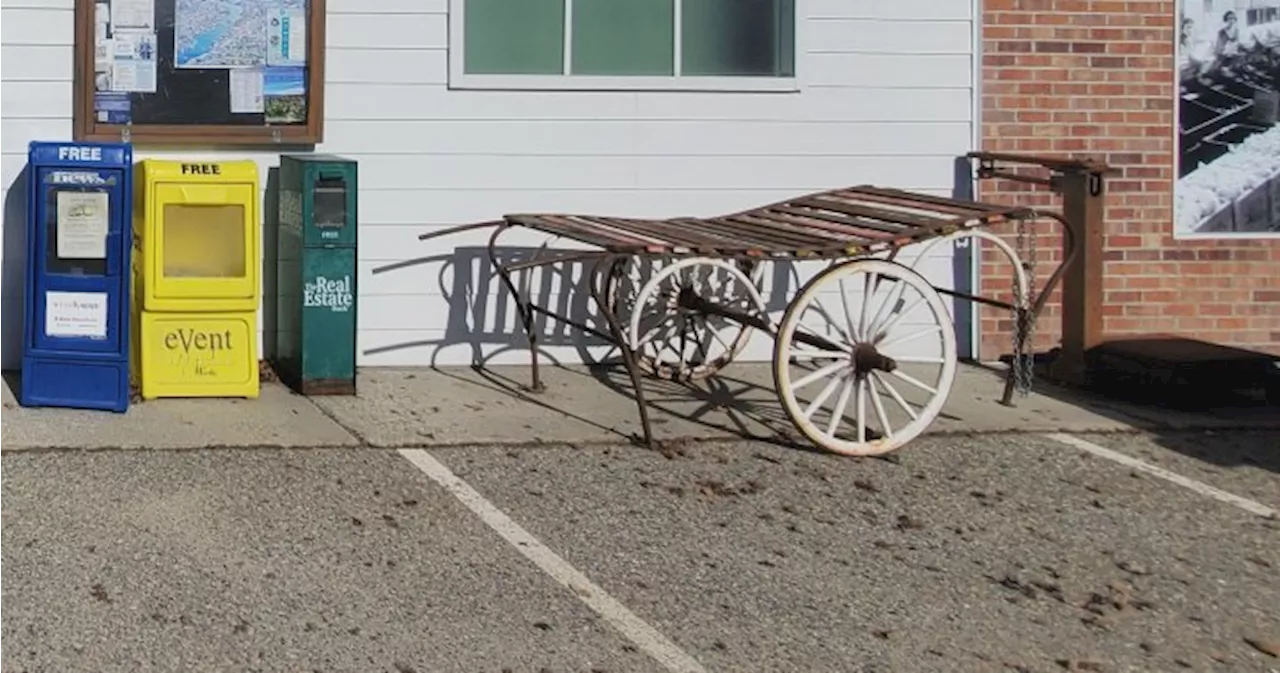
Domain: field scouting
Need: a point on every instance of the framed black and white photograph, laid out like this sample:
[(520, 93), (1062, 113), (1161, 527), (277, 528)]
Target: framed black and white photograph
[(1227, 166)]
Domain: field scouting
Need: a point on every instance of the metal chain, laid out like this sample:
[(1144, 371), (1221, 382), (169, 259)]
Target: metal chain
[(1023, 322)]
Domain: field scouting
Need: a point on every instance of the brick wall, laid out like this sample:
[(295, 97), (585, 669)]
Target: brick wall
[(1095, 77)]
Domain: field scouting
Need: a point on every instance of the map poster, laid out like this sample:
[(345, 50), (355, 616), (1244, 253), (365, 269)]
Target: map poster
[(227, 33)]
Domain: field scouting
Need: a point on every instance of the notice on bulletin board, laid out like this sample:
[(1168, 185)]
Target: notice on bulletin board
[(287, 38), (82, 225), (134, 64), (246, 90), (75, 314), (133, 15)]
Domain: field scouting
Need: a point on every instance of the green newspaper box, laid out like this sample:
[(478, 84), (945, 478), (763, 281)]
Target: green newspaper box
[(316, 274)]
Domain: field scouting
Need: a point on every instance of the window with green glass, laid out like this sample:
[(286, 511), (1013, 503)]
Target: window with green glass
[(621, 38), (514, 38)]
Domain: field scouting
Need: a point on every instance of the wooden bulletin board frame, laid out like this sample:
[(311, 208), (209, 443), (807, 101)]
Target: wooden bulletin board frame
[(238, 130)]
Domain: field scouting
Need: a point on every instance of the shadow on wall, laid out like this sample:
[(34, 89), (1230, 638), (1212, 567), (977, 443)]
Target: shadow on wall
[(484, 317), (12, 320)]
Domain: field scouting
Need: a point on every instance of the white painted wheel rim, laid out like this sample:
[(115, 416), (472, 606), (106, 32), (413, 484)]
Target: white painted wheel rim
[(674, 343), (872, 413)]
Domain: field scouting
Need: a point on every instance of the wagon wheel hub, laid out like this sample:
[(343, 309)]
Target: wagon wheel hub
[(867, 359), (687, 300)]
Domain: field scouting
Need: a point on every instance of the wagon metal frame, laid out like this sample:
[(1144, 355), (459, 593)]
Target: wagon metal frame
[(712, 270)]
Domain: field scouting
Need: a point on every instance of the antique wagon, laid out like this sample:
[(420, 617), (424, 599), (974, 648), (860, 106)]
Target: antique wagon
[(864, 355)]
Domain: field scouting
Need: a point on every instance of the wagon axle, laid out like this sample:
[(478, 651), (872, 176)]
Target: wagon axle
[(865, 357)]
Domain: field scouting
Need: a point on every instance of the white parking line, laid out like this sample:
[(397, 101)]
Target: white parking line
[(637, 630), (1251, 506)]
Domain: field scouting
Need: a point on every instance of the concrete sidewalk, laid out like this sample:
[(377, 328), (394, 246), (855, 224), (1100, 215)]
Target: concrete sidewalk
[(462, 406)]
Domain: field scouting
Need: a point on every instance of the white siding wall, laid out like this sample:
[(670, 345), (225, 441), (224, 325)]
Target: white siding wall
[(887, 100)]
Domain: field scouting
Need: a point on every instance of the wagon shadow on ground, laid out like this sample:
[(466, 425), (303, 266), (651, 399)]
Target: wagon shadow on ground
[(1228, 431), (483, 329)]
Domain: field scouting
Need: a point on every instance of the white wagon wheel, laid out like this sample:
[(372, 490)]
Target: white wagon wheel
[(675, 341), (859, 358)]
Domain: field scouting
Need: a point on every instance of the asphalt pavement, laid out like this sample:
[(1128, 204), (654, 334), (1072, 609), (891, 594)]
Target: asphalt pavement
[(1002, 552)]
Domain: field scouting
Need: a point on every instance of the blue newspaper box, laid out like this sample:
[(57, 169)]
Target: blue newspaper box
[(79, 236)]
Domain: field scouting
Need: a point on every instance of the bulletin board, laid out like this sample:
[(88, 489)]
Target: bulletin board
[(200, 72)]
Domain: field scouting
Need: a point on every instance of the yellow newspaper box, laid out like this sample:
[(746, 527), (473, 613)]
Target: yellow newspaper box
[(196, 284)]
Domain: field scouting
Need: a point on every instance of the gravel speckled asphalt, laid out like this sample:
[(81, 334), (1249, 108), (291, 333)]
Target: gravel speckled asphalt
[(992, 553)]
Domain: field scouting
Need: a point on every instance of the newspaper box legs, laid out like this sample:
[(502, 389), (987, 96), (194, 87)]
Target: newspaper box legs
[(196, 279), (76, 341)]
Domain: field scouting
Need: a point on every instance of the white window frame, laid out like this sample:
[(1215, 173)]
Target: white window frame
[(460, 79)]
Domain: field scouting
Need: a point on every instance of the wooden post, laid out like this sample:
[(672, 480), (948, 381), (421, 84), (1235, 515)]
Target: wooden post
[(1083, 195)]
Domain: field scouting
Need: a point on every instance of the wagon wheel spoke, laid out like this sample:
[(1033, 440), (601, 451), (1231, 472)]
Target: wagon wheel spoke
[(893, 320), (862, 413), (652, 334), (684, 340), (864, 333), (715, 334), (897, 397), (914, 381), (853, 333), (932, 329), (918, 359), (673, 333), (820, 374), (885, 426), (892, 298), (649, 337), (897, 308), (822, 397), (841, 404), (833, 333), (701, 344)]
